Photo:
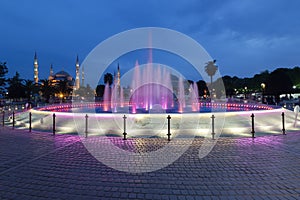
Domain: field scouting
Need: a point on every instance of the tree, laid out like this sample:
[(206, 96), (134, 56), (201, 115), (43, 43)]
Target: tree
[(3, 72), (258, 79), (63, 87), (279, 83), (294, 75), (211, 70), (15, 87), (202, 88), (29, 89), (108, 78), (47, 89), (100, 90)]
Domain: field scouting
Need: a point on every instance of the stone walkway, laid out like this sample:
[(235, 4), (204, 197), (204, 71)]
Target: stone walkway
[(41, 166)]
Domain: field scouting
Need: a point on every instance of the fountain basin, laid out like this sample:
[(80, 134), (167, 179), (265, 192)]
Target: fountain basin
[(71, 119)]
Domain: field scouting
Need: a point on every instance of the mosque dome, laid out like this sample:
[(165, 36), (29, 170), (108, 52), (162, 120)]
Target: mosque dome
[(62, 75)]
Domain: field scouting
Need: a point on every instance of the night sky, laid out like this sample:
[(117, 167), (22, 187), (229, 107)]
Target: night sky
[(245, 37)]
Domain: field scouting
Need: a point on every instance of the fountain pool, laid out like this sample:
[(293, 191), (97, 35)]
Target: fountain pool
[(231, 120)]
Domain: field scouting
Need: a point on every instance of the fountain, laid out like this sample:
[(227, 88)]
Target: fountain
[(152, 92), (157, 91), (152, 85)]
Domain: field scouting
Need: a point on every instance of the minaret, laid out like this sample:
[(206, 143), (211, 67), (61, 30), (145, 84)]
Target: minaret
[(51, 73), (51, 70), (118, 81), (118, 76), (82, 76), (77, 82), (36, 70)]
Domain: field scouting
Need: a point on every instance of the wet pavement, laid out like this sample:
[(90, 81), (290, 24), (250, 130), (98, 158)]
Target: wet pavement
[(41, 166)]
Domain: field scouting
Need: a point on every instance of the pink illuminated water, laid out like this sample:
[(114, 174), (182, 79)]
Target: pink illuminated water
[(155, 88), (106, 98)]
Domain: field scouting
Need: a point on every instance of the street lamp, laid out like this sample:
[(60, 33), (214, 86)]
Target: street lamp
[(61, 96), (263, 86)]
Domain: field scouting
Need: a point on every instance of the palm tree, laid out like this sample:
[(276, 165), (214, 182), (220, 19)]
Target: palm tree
[(29, 87), (63, 87), (3, 72), (108, 78), (15, 87), (211, 70), (47, 89)]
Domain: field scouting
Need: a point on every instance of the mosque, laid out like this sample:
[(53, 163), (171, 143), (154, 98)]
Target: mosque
[(61, 76)]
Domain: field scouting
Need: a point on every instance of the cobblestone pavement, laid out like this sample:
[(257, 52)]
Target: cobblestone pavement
[(41, 166)]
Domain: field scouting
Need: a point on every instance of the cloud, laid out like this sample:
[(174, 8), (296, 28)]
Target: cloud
[(249, 33)]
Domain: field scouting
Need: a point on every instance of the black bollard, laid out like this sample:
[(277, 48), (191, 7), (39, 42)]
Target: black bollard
[(30, 121), (13, 118), (124, 133), (3, 118), (169, 129), (86, 125), (213, 126), (53, 128), (283, 127), (252, 116)]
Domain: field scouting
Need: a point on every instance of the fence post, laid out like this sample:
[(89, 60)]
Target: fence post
[(252, 123), (86, 125), (169, 129), (124, 133), (283, 127), (213, 126), (30, 121), (53, 128), (13, 118)]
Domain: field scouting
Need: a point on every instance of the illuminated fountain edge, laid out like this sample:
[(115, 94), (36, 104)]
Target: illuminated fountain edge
[(227, 124)]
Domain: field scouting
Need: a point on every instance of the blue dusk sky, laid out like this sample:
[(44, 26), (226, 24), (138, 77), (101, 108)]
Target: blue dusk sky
[(245, 37)]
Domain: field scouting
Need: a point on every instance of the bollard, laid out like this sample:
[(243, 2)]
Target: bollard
[(124, 127), (86, 125), (169, 131), (283, 127), (13, 118), (3, 118), (252, 116), (213, 126), (30, 121), (53, 128)]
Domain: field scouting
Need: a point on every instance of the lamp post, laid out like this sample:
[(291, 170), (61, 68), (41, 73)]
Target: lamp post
[(61, 96), (245, 91), (263, 86)]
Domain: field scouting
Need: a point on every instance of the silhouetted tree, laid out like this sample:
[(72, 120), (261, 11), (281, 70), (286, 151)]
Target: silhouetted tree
[(47, 89), (15, 87), (63, 87), (294, 75), (29, 89), (202, 87), (108, 78), (279, 83), (211, 70), (100, 90), (3, 72)]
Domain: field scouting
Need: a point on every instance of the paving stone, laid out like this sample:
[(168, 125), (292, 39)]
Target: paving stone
[(39, 166)]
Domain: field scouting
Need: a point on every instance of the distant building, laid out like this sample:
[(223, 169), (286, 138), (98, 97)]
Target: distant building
[(62, 76), (77, 80)]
